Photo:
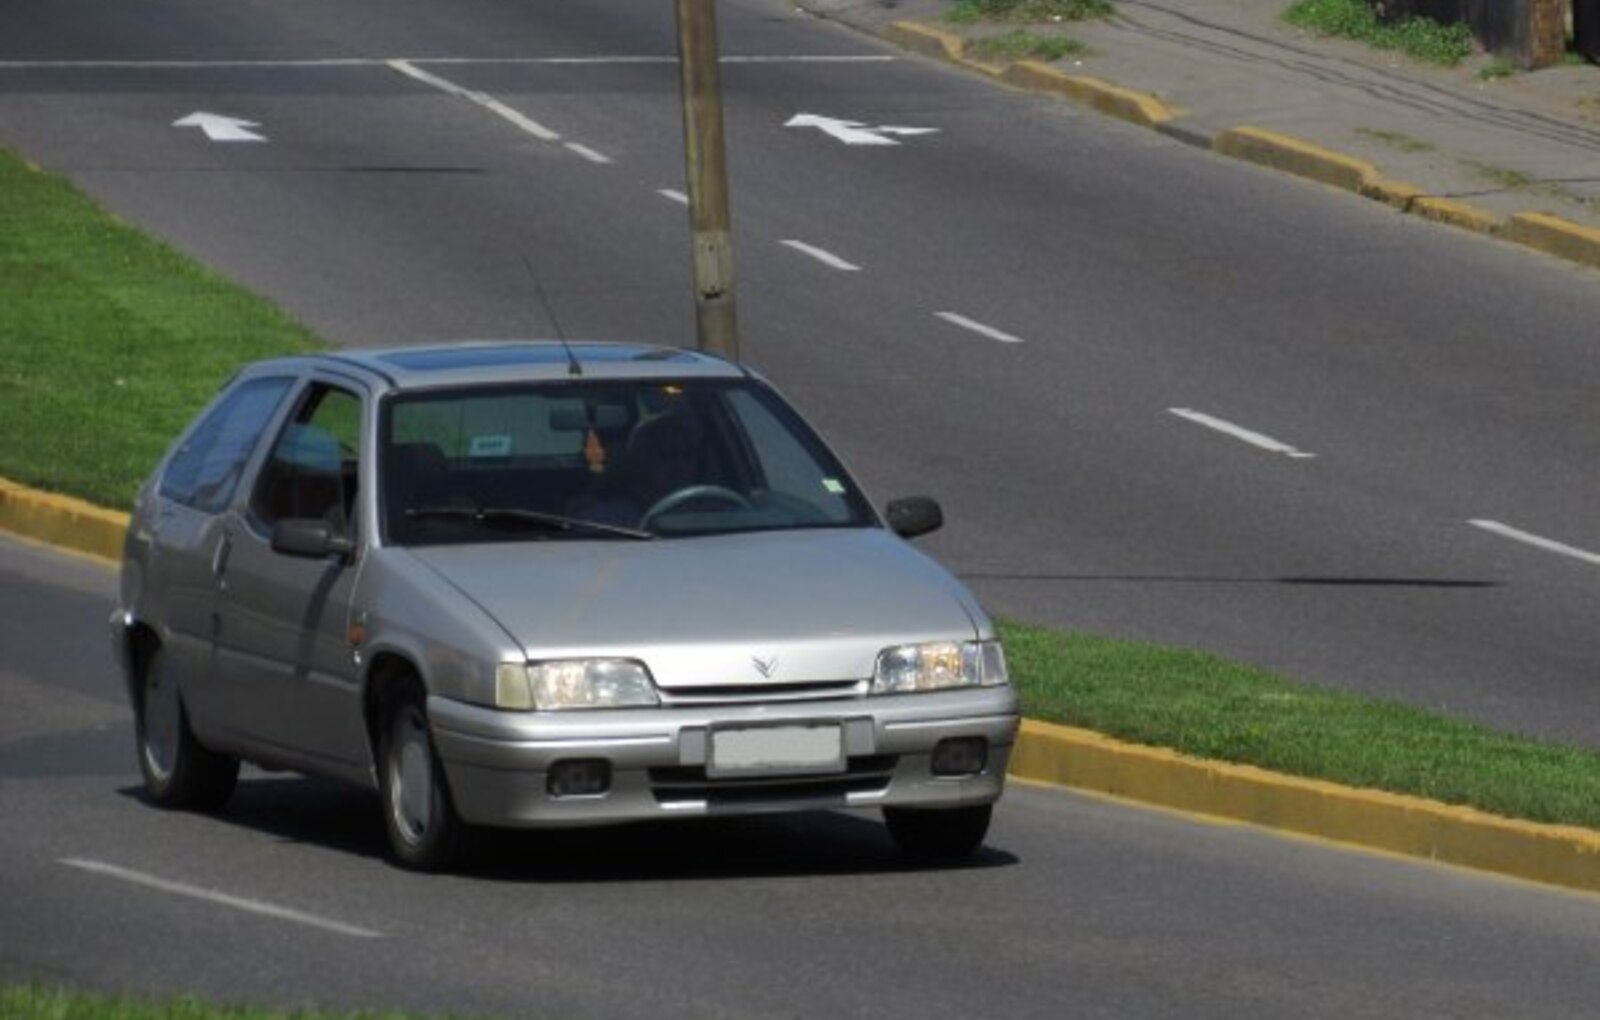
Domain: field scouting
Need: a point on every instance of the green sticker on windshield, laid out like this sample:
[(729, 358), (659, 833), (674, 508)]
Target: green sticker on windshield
[(834, 486)]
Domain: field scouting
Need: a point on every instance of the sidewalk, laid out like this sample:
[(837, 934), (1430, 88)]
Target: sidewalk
[(1516, 156)]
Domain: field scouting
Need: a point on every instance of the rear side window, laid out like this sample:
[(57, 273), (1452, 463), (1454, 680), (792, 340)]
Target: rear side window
[(204, 472)]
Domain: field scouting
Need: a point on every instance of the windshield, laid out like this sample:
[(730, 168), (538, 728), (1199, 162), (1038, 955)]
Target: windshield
[(605, 460)]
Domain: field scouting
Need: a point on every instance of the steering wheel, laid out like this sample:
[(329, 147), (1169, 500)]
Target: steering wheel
[(689, 493)]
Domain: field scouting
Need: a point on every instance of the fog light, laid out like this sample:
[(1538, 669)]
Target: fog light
[(579, 778), (960, 756)]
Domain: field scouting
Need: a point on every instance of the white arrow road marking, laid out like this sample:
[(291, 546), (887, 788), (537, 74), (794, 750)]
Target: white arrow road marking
[(853, 132), (1228, 428), (220, 128), (1548, 545), (220, 899)]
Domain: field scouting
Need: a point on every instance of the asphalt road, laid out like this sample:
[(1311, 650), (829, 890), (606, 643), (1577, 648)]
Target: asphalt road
[(1077, 906), (408, 190)]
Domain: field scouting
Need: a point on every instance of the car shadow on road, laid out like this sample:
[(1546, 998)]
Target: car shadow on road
[(334, 816)]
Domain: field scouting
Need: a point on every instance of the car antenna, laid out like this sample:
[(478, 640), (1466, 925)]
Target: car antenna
[(574, 367)]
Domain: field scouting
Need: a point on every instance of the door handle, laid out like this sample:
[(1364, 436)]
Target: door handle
[(219, 561)]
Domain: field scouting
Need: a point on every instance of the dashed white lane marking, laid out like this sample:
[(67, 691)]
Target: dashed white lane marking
[(1538, 542), (1242, 434), (588, 153), (674, 196), (220, 899), (827, 258), (977, 327), (488, 102)]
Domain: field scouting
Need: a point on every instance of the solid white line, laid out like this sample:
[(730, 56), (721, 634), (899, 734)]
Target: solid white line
[(827, 258), (1548, 545), (488, 102), (1255, 439), (220, 899), (977, 327), (675, 196), (589, 154)]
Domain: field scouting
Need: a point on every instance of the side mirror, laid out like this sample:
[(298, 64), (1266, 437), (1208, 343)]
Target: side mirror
[(312, 539), (914, 515)]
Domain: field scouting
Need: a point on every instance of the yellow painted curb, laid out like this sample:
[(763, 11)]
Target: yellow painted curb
[(1104, 97), (1554, 236), (930, 42), (1291, 155), (1126, 104), (1557, 855), (1455, 214), (1281, 152), (62, 521)]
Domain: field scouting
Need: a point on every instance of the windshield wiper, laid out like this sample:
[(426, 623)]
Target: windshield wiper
[(514, 516)]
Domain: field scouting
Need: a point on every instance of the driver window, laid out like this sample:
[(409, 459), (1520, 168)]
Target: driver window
[(313, 469)]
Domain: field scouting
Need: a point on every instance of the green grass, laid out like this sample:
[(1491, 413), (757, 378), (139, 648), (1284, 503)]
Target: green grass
[(1496, 69), (1419, 38), (1022, 44), (29, 1002), (109, 340), (1202, 705), (967, 12), (1511, 180), (1396, 140)]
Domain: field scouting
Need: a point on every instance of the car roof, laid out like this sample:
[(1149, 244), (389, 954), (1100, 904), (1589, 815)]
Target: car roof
[(479, 362)]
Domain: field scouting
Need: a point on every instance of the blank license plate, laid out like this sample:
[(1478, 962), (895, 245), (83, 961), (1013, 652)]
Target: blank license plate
[(777, 749)]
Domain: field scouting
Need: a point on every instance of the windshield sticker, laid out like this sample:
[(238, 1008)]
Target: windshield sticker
[(834, 486), (490, 446)]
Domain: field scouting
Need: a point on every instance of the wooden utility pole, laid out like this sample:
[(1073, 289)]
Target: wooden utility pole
[(717, 324)]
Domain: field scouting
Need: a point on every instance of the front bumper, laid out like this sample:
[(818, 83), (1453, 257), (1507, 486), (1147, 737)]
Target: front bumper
[(498, 763)]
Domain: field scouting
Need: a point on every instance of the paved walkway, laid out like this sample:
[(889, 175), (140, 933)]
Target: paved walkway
[(1477, 152)]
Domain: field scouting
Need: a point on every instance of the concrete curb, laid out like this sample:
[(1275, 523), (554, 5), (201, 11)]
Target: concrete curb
[(62, 521), (1542, 232), (1084, 760), (1552, 854)]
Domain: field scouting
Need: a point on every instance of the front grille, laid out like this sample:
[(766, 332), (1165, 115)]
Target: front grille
[(691, 785), (757, 694)]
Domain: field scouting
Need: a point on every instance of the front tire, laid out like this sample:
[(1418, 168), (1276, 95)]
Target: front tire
[(418, 815), (933, 834), (178, 772)]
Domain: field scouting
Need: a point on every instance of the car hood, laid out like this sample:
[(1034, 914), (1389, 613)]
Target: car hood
[(728, 610)]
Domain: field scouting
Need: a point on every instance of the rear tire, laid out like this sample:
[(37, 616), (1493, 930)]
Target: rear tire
[(934, 834), (419, 816), (178, 772)]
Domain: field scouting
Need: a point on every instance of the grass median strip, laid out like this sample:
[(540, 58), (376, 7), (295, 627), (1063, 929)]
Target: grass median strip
[(1202, 705), (109, 340), (31, 1002)]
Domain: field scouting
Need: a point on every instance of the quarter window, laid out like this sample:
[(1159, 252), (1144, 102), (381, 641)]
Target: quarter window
[(204, 472)]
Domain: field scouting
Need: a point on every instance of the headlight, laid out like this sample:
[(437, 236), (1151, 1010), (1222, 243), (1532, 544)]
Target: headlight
[(939, 666), (574, 684)]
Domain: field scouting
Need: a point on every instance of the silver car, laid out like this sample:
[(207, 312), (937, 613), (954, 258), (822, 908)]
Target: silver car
[(549, 584)]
